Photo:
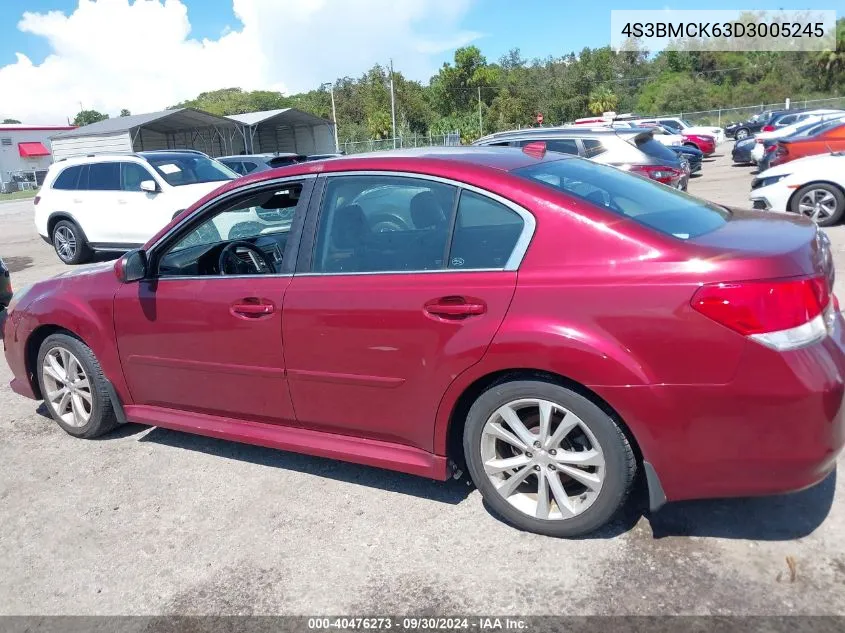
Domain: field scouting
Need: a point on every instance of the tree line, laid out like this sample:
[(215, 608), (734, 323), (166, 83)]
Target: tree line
[(475, 95)]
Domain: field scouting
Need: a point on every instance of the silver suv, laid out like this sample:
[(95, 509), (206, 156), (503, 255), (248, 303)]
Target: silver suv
[(631, 149)]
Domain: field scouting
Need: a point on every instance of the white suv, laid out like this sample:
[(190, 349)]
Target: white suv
[(115, 202)]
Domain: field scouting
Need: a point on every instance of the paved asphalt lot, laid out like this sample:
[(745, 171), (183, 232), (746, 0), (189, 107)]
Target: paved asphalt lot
[(149, 521)]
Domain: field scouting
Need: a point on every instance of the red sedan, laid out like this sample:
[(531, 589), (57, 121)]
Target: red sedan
[(706, 144), (549, 324)]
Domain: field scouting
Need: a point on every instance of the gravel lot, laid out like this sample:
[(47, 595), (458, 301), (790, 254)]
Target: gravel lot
[(149, 521)]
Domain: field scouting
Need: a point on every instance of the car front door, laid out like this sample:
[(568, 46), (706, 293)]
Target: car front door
[(203, 333), (378, 323)]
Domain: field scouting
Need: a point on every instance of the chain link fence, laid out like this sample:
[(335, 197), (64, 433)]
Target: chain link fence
[(723, 116), (451, 139)]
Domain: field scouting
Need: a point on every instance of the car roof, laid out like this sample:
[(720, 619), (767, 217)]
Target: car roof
[(570, 130), (425, 160)]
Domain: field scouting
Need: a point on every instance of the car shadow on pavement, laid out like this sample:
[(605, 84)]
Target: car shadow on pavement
[(774, 518), (451, 491)]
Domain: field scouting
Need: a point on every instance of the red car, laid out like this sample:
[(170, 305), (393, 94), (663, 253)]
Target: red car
[(830, 139), (549, 324), (706, 144)]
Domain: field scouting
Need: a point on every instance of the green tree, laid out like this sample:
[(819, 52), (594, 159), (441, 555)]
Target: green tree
[(603, 100), (86, 117), (10, 121), (125, 112)]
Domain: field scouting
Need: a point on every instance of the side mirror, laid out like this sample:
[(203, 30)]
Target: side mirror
[(149, 186), (132, 266)]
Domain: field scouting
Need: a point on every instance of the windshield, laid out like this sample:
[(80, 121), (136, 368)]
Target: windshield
[(654, 205), (186, 169), (687, 123)]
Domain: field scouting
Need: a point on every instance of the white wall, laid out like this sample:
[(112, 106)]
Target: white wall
[(10, 157), (80, 145)]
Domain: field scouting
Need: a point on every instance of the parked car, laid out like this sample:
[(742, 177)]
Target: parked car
[(829, 139), (117, 201), (5, 285), (789, 130), (745, 129), (549, 324), (633, 149), (741, 153), (662, 134), (692, 155), (812, 186), (705, 143), (770, 146), (249, 163), (322, 156), (681, 126)]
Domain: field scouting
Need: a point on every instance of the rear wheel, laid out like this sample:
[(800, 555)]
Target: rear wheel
[(821, 202), (741, 133), (547, 459), (70, 244), (74, 388)]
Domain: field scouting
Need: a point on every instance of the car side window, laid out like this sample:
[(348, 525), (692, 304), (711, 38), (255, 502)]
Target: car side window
[(592, 147), (68, 178), (563, 145), (383, 224), (485, 234), (263, 220), (132, 175), (248, 167), (104, 176)]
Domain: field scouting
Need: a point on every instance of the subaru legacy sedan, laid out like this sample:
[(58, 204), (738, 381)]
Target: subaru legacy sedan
[(550, 325)]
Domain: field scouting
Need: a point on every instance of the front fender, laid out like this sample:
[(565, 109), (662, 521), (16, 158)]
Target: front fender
[(92, 321)]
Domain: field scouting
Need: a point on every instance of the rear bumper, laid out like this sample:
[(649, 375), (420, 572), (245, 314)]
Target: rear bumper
[(778, 427)]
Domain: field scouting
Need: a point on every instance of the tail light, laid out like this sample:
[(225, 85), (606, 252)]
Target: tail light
[(36, 200), (782, 150), (768, 128), (659, 173), (782, 314)]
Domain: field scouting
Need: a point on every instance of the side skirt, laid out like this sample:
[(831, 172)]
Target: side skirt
[(298, 440)]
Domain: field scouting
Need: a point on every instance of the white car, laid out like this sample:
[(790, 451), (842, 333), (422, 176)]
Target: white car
[(661, 134), (813, 186), (815, 116), (116, 202), (680, 126)]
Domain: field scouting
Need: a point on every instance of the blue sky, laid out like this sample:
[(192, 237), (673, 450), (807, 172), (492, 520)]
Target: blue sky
[(147, 54), (539, 28)]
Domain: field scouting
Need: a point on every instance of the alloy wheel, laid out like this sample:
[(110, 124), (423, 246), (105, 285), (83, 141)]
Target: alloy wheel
[(741, 135), (817, 204), (67, 387), (542, 459), (65, 243)]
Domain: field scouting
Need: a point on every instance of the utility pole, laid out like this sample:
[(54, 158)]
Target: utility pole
[(334, 118), (392, 105), (480, 120)]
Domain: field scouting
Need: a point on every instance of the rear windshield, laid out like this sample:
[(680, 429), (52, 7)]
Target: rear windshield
[(657, 206), (189, 170), (654, 148)]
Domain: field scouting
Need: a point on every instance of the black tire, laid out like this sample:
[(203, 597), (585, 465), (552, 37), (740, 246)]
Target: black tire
[(741, 133), (102, 415), (80, 252), (620, 462), (836, 216)]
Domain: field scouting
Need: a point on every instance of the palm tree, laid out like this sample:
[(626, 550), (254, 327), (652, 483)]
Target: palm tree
[(602, 100)]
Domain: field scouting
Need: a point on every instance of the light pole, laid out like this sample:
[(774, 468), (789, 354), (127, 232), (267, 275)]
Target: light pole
[(334, 116)]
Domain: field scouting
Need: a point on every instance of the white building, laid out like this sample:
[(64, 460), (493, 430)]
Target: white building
[(25, 154)]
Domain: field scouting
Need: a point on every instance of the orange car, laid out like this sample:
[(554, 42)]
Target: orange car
[(830, 139)]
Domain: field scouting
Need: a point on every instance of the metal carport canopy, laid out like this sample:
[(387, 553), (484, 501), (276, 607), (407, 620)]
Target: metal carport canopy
[(290, 117), (166, 122)]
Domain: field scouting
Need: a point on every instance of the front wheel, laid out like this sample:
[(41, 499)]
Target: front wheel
[(821, 202), (74, 388), (741, 134), (547, 459)]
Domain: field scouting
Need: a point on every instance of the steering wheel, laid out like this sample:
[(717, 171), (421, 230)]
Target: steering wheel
[(229, 250)]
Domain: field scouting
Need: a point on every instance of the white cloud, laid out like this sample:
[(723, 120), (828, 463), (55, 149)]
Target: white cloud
[(113, 54)]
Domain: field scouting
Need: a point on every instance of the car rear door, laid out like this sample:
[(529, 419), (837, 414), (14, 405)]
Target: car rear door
[(140, 214), (377, 324)]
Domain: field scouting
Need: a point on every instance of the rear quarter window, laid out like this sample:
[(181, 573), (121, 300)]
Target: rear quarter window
[(654, 148), (67, 179)]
